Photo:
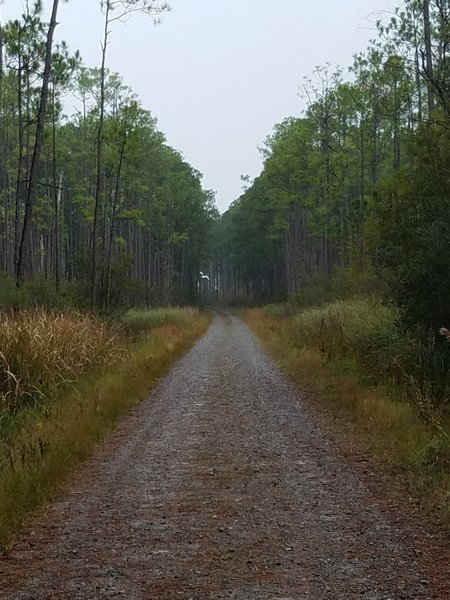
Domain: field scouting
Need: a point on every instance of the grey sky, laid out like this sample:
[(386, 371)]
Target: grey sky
[(218, 74)]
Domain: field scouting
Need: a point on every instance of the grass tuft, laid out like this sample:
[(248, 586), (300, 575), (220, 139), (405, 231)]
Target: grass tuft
[(358, 330)]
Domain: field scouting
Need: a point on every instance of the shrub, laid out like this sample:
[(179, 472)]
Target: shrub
[(369, 336), (9, 296)]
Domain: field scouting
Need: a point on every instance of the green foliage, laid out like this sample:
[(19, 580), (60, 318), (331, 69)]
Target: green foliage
[(357, 280), (306, 213), (364, 168), (9, 296), (40, 292), (153, 222), (37, 292), (411, 233), (278, 310)]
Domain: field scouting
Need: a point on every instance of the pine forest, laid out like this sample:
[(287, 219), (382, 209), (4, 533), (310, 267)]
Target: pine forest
[(300, 445)]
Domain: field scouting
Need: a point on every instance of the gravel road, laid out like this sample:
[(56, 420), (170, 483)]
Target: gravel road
[(222, 485)]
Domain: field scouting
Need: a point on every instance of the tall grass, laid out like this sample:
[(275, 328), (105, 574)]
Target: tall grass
[(40, 351), (367, 336), (361, 331)]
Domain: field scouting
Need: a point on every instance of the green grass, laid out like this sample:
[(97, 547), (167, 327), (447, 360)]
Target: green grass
[(278, 310)]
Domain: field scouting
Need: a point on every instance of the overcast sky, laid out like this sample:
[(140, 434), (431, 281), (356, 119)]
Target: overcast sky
[(218, 74)]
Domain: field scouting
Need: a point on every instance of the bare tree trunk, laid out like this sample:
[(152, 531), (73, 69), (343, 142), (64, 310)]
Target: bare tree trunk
[(98, 183), (57, 211), (418, 81), (362, 191), (19, 178), (428, 55), (25, 242), (56, 195), (374, 157), (3, 172)]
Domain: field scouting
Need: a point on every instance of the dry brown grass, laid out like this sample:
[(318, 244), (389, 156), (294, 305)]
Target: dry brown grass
[(41, 350), (49, 442), (370, 418)]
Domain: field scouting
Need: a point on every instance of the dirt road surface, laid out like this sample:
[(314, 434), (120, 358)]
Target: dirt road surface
[(223, 485)]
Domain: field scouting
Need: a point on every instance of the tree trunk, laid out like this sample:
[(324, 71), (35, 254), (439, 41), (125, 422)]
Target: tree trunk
[(374, 157), (428, 55), (25, 243), (3, 173), (57, 234), (98, 182), (362, 190), (20, 177), (418, 81), (56, 195)]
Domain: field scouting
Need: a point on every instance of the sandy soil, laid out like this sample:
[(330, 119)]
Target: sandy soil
[(224, 484)]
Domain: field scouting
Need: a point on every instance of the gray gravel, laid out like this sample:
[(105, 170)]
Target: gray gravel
[(221, 485)]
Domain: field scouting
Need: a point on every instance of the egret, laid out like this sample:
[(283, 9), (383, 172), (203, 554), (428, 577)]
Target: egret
[(204, 276)]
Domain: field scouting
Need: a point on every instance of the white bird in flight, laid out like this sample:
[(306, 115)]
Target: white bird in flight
[(204, 276)]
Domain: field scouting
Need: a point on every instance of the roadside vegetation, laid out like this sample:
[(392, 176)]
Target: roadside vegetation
[(372, 380), (66, 379), (139, 321), (42, 352)]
